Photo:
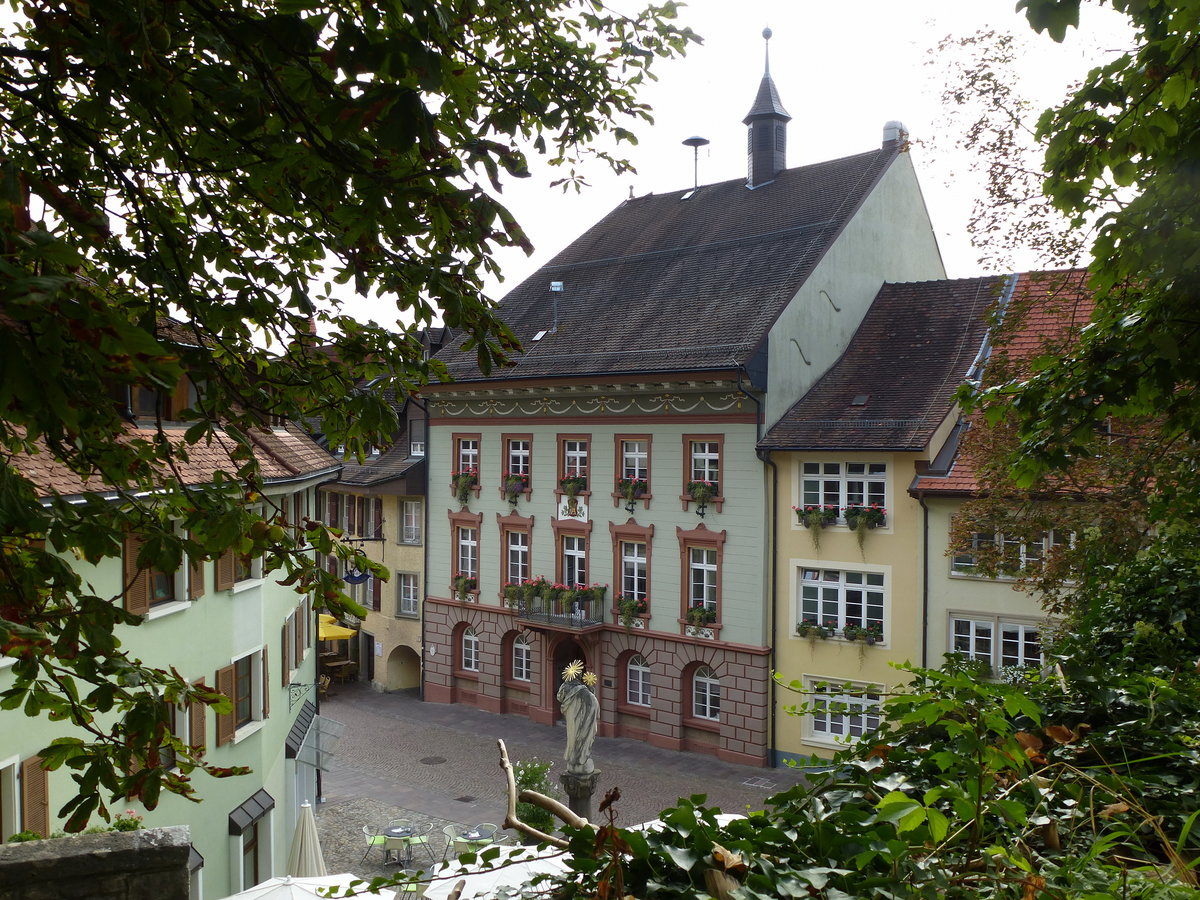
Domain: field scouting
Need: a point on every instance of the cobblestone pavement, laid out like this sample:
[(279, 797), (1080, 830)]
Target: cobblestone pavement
[(439, 763)]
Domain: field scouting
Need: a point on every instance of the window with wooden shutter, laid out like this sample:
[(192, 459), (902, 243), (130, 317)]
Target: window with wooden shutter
[(286, 643), (137, 581), (266, 680), (227, 721), (378, 532), (226, 575), (35, 797), (362, 515), (376, 593)]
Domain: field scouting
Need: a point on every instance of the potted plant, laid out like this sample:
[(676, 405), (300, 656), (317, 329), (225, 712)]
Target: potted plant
[(812, 629), (512, 593), (854, 632), (532, 588), (597, 591), (515, 484), (465, 481), (873, 633), (630, 608), (631, 489), (572, 484), (464, 585), (701, 491), (700, 615), (860, 518), (814, 518), (534, 775)]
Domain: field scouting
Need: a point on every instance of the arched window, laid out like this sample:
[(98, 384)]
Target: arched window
[(470, 650), (706, 694), (637, 682), (522, 658)]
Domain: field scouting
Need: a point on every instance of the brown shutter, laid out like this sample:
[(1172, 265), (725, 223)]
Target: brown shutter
[(196, 733), (298, 510), (195, 578), (362, 515), (266, 683), (226, 722), (376, 593), (287, 649), (308, 623), (378, 533), (137, 581), (35, 797), (226, 575), (298, 634)]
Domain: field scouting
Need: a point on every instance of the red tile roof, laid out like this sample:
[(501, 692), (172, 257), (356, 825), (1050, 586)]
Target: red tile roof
[(283, 455), (1044, 316)]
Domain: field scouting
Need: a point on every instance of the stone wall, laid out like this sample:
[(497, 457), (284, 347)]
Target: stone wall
[(150, 864)]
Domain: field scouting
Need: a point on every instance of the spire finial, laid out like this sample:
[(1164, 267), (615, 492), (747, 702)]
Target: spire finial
[(767, 50)]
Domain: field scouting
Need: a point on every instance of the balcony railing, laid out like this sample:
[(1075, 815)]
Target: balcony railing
[(563, 612)]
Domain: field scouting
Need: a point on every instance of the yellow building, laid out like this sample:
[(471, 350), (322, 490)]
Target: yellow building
[(849, 539)]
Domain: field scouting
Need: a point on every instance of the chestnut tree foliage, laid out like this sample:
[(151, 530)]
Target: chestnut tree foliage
[(215, 161)]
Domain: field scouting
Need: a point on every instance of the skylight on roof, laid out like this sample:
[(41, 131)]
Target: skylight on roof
[(860, 400), (688, 194), (541, 334)]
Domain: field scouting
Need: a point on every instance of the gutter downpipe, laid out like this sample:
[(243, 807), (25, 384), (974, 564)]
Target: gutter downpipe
[(772, 578), (924, 581), (424, 407)]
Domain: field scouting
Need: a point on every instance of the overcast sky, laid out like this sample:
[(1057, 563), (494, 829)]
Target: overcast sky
[(842, 70)]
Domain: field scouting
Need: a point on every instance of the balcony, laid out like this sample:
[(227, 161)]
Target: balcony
[(563, 614)]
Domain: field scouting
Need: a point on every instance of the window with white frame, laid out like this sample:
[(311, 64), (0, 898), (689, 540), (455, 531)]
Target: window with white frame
[(518, 457), (410, 532), (575, 458), (706, 463), (842, 484), (637, 682), (999, 644), (468, 551), (416, 438), (702, 578), (706, 694), (470, 650), (517, 556), (834, 599), (408, 594), (1016, 554), (468, 454), (574, 559), (522, 657), (635, 460), (633, 569), (843, 713)]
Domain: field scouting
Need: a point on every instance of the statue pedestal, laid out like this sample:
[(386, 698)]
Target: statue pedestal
[(579, 790)]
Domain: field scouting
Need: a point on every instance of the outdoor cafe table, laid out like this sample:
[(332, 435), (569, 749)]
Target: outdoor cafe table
[(400, 838)]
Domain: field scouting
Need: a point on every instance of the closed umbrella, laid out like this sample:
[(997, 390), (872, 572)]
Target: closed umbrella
[(305, 859), (287, 887)]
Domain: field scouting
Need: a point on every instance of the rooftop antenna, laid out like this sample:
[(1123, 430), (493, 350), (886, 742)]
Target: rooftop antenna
[(695, 143)]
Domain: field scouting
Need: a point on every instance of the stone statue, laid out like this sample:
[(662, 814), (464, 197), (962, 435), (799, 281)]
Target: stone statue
[(581, 709)]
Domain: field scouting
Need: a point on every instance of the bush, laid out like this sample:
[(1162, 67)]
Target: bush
[(534, 775)]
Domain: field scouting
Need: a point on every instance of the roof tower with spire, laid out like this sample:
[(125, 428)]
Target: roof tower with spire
[(766, 128)]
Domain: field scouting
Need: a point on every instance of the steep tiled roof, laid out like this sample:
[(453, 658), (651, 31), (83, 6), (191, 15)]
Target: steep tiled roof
[(282, 454), (1043, 316), (391, 464), (667, 284), (895, 383)]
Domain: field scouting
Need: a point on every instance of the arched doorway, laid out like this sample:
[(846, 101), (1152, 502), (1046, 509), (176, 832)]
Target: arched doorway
[(403, 669), (566, 652)]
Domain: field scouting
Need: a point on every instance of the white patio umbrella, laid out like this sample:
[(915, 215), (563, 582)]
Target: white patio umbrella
[(288, 887), (305, 859), (526, 863)]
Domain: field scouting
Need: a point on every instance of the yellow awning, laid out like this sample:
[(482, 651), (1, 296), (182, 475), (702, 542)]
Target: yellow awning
[(329, 630)]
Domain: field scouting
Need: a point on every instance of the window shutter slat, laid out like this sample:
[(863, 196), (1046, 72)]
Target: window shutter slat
[(226, 722), (226, 570), (35, 796), (137, 581), (298, 636), (378, 533), (196, 733), (376, 594), (286, 650), (266, 683), (195, 578)]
